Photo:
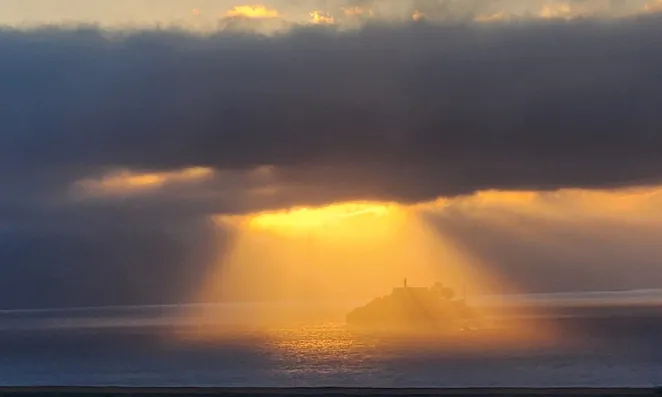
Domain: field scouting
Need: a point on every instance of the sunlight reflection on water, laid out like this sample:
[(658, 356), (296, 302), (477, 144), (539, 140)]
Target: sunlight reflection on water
[(614, 351)]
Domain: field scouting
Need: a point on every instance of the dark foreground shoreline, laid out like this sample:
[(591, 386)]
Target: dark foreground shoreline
[(320, 391)]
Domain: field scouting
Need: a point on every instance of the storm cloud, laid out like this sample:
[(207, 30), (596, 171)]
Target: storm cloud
[(418, 111), (405, 112)]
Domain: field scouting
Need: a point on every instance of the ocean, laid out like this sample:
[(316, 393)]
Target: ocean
[(612, 345)]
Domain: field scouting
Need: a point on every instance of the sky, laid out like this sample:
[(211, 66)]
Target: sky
[(528, 132), (199, 14)]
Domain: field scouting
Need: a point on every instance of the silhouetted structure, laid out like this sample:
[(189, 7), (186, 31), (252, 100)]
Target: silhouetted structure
[(415, 308)]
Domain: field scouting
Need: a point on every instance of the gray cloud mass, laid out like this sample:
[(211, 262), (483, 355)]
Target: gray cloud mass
[(404, 112), (461, 108)]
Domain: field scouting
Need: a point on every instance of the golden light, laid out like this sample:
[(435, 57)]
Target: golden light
[(321, 262), (653, 6), (345, 250), (556, 10), (314, 264), (129, 182), (195, 12), (417, 15), (506, 197), (356, 11), (319, 17), (310, 219), (622, 203), (253, 11), (495, 17)]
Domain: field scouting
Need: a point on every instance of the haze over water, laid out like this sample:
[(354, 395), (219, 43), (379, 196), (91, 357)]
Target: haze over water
[(603, 345)]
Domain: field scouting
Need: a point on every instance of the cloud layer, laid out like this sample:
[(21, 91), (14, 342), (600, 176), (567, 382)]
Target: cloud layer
[(408, 112), (206, 14), (391, 111)]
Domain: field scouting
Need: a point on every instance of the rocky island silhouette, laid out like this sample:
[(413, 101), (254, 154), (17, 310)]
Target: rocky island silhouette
[(420, 309)]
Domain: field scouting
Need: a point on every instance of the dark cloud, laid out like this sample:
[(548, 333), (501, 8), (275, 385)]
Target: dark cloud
[(421, 110), (403, 112)]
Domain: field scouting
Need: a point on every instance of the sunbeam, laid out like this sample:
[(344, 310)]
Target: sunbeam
[(307, 265)]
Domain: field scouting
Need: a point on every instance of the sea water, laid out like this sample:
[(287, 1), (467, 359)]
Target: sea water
[(132, 346)]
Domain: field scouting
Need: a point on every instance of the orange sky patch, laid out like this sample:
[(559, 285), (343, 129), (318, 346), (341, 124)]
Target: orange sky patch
[(253, 11)]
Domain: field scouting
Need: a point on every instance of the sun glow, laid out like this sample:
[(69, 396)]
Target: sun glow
[(357, 11), (305, 219), (653, 6), (318, 17), (556, 10), (321, 262), (342, 251), (129, 182), (417, 15), (252, 11), (495, 17)]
